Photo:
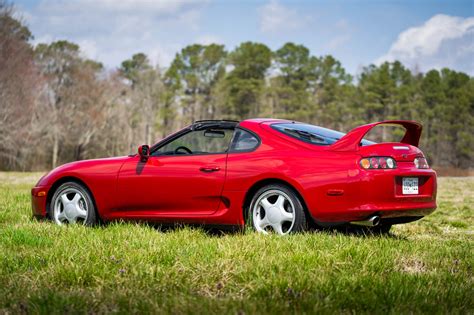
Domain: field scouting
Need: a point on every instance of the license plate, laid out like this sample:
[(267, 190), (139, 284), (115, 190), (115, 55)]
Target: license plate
[(410, 186)]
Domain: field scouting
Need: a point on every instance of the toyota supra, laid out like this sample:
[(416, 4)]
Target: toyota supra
[(275, 176)]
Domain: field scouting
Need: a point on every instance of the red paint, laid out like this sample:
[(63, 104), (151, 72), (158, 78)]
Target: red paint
[(211, 188)]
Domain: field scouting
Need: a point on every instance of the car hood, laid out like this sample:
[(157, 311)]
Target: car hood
[(83, 168)]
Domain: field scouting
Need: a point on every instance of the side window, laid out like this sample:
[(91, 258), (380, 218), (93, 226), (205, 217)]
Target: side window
[(244, 141), (198, 142)]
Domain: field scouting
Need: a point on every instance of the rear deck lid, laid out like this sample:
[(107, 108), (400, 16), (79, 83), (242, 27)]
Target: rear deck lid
[(398, 151)]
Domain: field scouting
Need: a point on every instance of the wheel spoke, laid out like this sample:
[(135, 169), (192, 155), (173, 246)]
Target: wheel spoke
[(277, 228), (62, 217), (265, 204), (76, 199), (64, 200), (280, 203), (286, 216), (81, 213), (263, 223)]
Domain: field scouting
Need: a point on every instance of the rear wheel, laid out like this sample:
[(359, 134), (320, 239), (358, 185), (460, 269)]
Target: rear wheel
[(276, 208), (72, 203)]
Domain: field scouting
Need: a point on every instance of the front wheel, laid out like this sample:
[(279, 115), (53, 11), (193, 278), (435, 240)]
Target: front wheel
[(276, 208), (72, 203)]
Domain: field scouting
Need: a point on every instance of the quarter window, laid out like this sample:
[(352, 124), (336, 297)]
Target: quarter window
[(244, 141)]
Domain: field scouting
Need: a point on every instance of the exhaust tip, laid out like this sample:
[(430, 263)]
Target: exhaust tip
[(372, 221), (375, 220)]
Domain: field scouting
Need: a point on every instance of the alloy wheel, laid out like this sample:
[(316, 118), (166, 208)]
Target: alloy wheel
[(273, 211), (70, 207)]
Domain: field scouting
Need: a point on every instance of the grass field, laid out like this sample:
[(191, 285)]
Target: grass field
[(422, 267)]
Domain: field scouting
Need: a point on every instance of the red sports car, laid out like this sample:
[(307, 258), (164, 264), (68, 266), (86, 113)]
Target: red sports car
[(275, 175)]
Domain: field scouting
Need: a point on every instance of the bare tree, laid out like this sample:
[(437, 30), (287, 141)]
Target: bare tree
[(146, 98), (18, 85)]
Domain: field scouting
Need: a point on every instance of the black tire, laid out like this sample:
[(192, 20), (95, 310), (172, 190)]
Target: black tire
[(300, 221), (85, 200)]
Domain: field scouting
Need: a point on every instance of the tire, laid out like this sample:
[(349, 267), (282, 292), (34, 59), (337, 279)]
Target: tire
[(72, 203), (276, 208)]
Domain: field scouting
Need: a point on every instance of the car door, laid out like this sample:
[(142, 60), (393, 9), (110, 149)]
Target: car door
[(181, 178)]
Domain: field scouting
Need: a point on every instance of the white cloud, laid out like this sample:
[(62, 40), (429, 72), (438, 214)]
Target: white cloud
[(442, 41), (275, 17), (113, 30)]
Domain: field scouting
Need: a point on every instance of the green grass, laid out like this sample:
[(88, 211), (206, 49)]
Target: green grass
[(421, 267)]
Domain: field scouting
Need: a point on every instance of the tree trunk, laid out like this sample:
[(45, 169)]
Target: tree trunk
[(147, 134), (55, 149)]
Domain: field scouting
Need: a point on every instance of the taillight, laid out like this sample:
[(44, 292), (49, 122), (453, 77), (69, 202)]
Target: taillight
[(378, 162), (420, 162)]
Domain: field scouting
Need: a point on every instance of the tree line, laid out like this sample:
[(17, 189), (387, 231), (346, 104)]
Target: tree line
[(57, 106)]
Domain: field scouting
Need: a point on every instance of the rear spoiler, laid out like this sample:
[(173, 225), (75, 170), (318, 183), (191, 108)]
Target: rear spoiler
[(351, 141)]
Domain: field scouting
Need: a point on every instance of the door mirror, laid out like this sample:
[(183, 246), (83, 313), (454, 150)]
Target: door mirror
[(144, 152)]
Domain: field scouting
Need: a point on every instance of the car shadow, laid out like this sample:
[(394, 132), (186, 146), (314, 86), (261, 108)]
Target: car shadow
[(140, 167), (220, 231), (360, 232), (215, 231)]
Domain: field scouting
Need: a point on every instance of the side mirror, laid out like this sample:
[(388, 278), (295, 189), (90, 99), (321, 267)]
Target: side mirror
[(144, 152)]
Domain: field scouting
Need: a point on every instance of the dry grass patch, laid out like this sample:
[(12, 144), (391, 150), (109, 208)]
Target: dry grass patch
[(412, 265)]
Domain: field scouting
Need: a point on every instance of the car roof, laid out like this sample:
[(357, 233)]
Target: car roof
[(227, 123), (266, 120), (223, 123)]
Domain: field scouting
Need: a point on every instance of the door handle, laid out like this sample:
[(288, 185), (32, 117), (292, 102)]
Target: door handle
[(209, 169)]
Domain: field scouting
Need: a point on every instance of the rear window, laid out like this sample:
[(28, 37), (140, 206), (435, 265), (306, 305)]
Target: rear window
[(312, 134)]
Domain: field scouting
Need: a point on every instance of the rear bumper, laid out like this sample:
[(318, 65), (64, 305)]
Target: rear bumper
[(39, 201), (379, 192), (401, 214)]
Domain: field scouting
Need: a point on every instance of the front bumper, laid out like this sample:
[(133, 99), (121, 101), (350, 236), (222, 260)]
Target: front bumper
[(39, 201)]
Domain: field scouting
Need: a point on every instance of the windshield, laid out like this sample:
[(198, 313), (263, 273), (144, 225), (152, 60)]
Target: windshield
[(312, 134)]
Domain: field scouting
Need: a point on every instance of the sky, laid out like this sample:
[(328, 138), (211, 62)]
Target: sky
[(422, 34)]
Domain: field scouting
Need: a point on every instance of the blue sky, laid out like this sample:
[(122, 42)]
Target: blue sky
[(422, 34)]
